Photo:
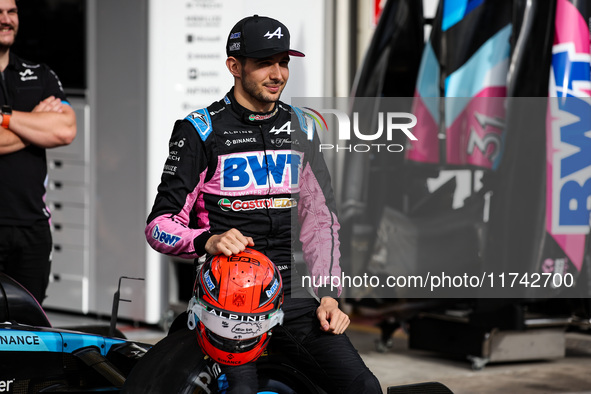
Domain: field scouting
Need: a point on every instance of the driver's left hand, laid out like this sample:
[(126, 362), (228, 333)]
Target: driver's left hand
[(331, 318)]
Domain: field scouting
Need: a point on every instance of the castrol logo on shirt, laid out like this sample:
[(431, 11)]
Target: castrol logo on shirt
[(264, 203), (258, 173)]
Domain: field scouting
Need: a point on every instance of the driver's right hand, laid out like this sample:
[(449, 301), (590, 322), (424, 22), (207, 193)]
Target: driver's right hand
[(229, 243)]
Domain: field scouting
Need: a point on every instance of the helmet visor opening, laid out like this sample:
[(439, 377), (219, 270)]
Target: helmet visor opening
[(235, 326), (231, 345)]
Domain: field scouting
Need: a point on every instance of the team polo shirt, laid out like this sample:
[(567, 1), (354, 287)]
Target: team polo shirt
[(23, 174)]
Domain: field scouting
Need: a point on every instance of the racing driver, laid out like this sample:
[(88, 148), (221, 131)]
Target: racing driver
[(247, 172)]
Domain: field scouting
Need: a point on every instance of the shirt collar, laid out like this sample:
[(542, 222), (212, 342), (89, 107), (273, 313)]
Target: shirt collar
[(248, 115), (13, 62)]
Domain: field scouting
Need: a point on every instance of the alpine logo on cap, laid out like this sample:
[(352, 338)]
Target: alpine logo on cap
[(275, 33)]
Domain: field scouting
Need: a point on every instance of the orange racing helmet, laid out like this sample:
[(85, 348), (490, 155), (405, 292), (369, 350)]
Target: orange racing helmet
[(236, 302)]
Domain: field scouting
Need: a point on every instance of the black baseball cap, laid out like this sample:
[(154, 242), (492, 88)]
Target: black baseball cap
[(258, 37)]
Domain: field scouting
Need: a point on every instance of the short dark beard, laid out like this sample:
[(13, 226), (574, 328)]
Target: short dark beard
[(251, 89)]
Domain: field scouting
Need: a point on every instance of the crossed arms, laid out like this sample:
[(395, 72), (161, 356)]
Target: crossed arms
[(50, 124)]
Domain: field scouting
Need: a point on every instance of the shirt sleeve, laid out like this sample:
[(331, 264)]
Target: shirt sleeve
[(53, 85), (176, 226), (319, 225)]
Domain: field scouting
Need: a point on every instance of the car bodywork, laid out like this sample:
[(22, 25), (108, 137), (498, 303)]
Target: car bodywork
[(37, 358)]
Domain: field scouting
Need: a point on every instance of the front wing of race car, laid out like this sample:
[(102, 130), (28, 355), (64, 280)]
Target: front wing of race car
[(47, 360)]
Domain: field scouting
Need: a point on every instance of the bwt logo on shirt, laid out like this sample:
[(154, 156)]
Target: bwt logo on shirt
[(244, 171), (164, 237)]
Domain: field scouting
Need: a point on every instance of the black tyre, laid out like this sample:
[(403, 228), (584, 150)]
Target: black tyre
[(173, 365), (277, 376), (177, 365)]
